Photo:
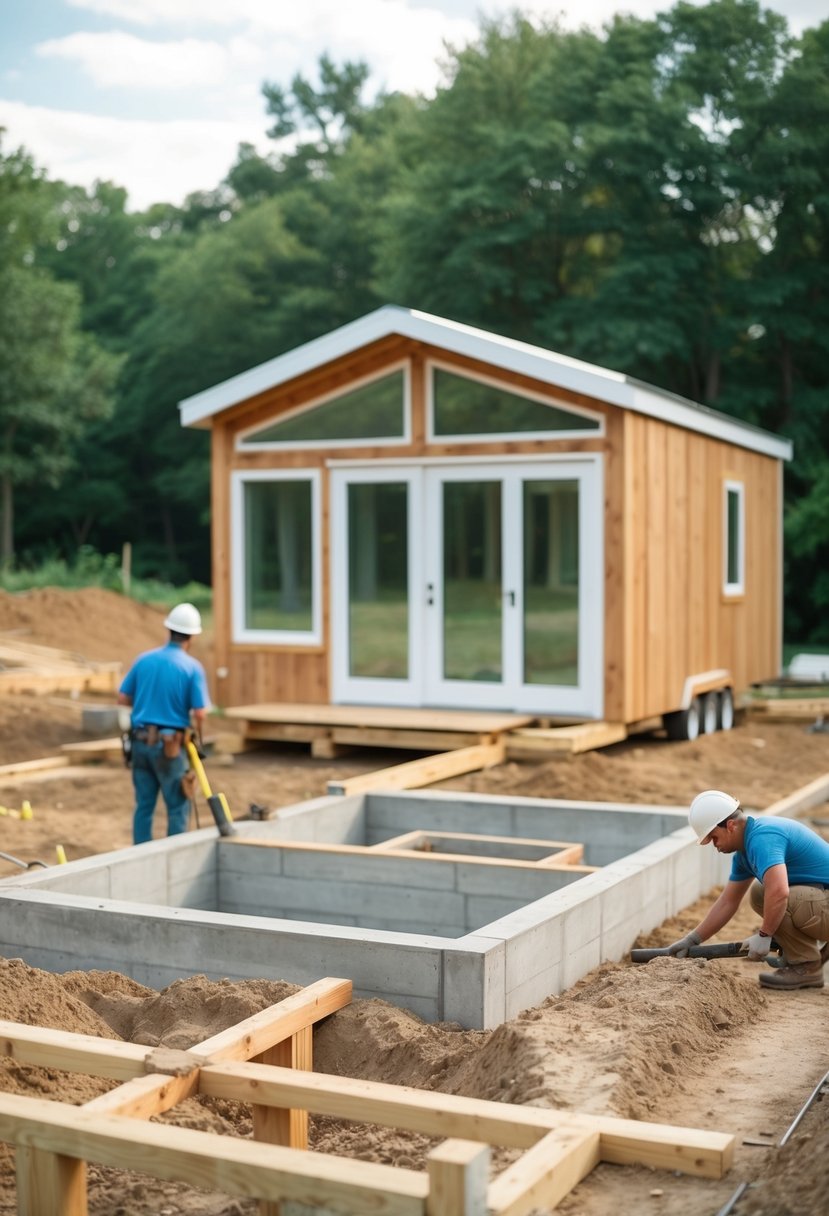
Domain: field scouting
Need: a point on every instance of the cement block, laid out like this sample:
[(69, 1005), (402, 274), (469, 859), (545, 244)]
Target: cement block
[(100, 720)]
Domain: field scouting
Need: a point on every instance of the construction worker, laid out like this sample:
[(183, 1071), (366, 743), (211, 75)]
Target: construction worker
[(167, 690), (785, 866)]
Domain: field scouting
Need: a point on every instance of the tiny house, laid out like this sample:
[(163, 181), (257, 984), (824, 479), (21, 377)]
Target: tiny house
[(413, 512)]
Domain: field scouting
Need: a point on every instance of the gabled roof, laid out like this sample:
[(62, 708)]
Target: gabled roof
[(543, 365)]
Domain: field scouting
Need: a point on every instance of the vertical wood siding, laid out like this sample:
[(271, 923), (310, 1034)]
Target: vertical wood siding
[(678, 622)]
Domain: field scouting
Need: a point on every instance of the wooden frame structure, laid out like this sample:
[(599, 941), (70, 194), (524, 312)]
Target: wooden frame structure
[(266, 1061)]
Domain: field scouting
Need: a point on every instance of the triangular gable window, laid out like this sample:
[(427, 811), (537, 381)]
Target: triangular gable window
[(372, 411), (461, 406)]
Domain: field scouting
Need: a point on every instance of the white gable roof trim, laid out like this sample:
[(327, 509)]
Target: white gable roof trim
[(504, 353)]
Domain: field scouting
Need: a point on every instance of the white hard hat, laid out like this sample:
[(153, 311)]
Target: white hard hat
[(184, 618), (710, 808)]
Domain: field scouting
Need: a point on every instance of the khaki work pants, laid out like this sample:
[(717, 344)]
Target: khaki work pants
[(805, 924)]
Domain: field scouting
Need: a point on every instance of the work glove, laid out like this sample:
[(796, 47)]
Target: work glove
[(680, 949), (758, 946)]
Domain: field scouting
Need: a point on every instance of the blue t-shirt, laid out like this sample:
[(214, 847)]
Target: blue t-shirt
[(164, 685), (768, 842)]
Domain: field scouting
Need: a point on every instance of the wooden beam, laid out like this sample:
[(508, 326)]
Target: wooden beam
[(564, 740), (278, 1022), (49, 1184), (545, 1174), (784, 708), (458, 1172), (209, 1160), (82, 1053), (277, 1125), (416, 773), (623, 1141), (24, 767), (359, 850)]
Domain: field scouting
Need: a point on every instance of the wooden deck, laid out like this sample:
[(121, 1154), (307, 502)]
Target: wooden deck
[(329, 727)]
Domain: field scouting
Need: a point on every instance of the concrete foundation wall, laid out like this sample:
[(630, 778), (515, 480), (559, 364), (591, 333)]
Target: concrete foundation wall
[(148, 911), (375, 891)]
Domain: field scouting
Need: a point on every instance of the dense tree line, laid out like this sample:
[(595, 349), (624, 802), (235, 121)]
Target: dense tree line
[(654, 199)]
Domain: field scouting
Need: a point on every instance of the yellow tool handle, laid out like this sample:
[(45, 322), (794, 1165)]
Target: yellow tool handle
[(198, 769)]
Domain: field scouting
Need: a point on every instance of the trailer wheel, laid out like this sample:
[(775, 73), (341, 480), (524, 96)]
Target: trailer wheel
[(710, 713), (683, 723), (725, 709)]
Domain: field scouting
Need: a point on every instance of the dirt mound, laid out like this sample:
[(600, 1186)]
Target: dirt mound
[(92, 623)]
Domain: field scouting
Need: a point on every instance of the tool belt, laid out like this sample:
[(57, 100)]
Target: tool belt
[(171, 738)]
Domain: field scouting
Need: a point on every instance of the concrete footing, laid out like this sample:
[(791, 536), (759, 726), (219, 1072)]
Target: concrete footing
[(469, 939)]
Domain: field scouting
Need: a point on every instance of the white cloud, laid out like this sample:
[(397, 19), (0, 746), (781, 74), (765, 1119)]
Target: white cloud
[(116, 60), (155, 161)]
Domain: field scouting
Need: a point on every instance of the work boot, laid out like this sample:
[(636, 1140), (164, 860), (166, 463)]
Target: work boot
[(824, 954), (796, 975)]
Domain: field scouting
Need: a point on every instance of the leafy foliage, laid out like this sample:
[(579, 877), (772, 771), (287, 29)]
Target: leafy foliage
[(653, 198)]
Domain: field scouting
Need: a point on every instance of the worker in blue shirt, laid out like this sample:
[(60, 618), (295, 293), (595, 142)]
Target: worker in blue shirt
[(167, 690), (785, 866)]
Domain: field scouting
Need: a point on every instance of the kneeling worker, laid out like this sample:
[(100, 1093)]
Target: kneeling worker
[(786, 866)]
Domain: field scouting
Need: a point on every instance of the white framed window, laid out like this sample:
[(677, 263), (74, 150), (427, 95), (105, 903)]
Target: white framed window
[(375, 410), (276, 559), (734, 528), (465, 407)]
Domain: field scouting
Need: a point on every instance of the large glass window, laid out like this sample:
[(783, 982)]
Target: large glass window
[(734, 538), (551, 582), (465, 407), (472, 586), (378, 581), (372, 411), (278, 556)]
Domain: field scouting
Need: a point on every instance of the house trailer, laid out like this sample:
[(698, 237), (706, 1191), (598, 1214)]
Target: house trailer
[(412, 512)]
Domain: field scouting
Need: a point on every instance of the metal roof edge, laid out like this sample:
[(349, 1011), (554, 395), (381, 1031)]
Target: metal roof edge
[(509, 354)]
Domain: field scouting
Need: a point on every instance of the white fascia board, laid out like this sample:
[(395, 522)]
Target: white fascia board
[(548, 367)]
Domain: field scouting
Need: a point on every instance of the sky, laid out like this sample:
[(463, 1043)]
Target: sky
[(156, 95)]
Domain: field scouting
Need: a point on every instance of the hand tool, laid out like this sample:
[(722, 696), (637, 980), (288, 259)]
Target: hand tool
[(217, 802), (717, 950)]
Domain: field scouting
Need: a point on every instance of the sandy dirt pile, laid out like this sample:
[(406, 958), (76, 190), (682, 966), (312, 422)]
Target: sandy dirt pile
[(683, 1042)]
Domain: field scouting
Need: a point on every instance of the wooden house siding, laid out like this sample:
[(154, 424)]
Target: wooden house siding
[(678, 622)]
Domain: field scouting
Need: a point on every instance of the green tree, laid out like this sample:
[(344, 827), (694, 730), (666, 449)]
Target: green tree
[(53, 378)]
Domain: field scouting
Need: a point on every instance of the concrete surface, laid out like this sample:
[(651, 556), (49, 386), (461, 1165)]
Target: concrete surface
[(465, 940)]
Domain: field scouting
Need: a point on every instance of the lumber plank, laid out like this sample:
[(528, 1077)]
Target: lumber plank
[(91, 750), (566, 740), (71, 1052), (416, 773), (50, 1184), (277, 1125), (146, 1096), (23, 767), (382, 717), (262, 1030), (545, 1174), (623, 1141), (358, 850), (458, 1172), (211, 1161), (782, 708)]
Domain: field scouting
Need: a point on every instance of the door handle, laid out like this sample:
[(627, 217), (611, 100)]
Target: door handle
[(430, 594), (509, 596)]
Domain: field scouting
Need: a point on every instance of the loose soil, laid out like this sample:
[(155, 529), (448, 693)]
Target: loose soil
[(689, 1043)]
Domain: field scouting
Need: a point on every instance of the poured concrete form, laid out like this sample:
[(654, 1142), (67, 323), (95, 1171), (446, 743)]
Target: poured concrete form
[(465, 938)]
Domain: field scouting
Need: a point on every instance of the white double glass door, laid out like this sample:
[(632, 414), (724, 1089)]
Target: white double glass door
[(469, 586)]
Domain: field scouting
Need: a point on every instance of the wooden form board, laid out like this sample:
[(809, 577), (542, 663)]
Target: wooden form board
[(786, 708), (51, 1173), (418, 842), (417, 773), (536, 742), (359, 850), (559, 1148)]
